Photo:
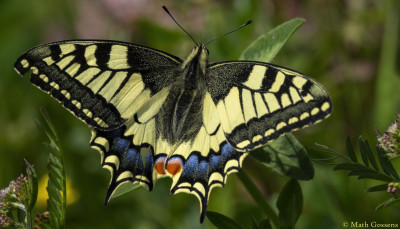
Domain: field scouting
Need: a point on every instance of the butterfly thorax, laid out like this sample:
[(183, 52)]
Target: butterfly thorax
[(180, 115)]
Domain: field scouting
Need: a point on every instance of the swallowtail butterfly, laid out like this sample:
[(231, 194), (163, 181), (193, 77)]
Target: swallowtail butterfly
[(153, 114)]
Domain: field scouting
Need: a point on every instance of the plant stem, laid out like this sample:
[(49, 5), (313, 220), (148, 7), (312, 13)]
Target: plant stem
[(28, 218), (387, 80), (258, 198)]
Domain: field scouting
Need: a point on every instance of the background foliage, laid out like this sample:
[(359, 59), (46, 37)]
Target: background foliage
[(351, 47)]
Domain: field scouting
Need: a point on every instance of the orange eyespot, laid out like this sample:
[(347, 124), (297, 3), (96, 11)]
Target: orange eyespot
[(174, 166), (160, 166)]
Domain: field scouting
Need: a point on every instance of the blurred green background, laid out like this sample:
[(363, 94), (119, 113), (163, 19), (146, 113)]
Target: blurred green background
[(351, 47)]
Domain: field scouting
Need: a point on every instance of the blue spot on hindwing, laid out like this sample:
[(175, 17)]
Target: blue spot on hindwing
[(132, 156), (149, 160), (133, 160), (121, 145), (191, 164), (203, 168), (226, 151), (215, 161)]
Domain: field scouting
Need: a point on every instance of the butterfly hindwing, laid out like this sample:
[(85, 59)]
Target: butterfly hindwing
[(258, 102), (98, 81)]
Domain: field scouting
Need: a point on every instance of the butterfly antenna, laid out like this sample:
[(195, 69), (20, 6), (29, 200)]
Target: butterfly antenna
[(250, 21), (166, 10)]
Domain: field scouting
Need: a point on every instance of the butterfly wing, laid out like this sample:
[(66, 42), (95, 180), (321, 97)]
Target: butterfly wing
[(258, 102), (101, 82), (115, 87)]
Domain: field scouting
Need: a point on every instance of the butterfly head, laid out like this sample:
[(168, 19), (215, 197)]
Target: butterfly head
[(203, 57), (197, 60)]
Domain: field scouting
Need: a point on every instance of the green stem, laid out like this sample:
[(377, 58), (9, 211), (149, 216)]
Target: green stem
[(28, 218), (258, 198), (387, 80)]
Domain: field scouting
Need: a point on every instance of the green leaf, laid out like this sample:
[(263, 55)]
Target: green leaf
[(258, 197), (387, 167), (290, 204), (32, 192), (286, 156), (370, 174), (267, 46), (377, 188), (254, 223), (362, 171), (124, 189), (363, 152), (56, 187), (387, 203), (366, 149), (350, 166), (32, 185), (265, 224), (350, 150), (221, 221)]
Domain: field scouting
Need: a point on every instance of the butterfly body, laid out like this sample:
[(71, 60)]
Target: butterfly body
[(180, 116), (154, 115)]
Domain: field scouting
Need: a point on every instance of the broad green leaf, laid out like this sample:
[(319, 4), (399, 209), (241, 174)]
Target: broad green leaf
[(124, 189), (267, 46), (350, 150), (258, 197), (290, 204), (387, 167), (377, 188), (286, 156), (221, 221)]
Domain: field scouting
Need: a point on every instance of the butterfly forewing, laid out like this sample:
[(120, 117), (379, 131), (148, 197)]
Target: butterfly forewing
[(98, 81), (258, 102)]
